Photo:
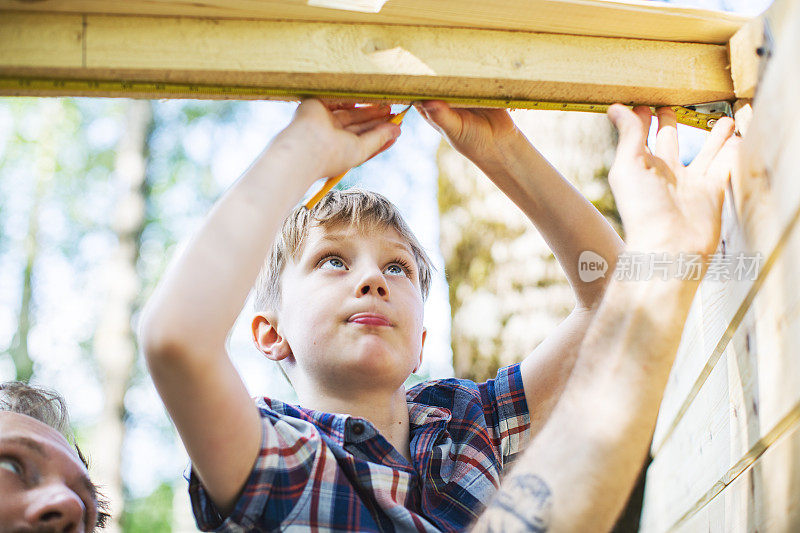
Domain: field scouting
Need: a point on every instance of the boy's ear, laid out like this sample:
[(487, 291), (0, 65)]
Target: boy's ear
[(421, 348), (267, 339)]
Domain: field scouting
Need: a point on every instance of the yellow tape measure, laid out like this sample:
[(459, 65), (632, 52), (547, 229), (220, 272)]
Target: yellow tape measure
[(701, 116)]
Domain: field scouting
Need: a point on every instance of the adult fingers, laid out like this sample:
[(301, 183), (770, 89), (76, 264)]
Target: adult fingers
[(358, 115), (667, 137), (632, 128), (724, 163), (721, 132)]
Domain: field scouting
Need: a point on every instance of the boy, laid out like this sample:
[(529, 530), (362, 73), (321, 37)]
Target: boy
[(341, 310)]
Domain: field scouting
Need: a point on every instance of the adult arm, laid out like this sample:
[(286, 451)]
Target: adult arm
[(578, 472), (186, 322), (568, 222)]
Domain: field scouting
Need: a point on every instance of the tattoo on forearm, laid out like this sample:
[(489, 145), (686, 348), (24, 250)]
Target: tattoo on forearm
[(522, 504)]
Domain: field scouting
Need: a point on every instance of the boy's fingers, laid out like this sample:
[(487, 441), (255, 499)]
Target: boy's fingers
[(667, 137), (722, 130), (348, 117), (632, 132), (440, 114), (361, 127), (377, 139)]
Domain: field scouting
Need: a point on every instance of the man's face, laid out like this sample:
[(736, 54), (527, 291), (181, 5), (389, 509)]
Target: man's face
[(43, 484), (352, 308)]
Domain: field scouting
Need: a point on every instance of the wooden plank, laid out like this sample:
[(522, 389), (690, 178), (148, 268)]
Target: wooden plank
[(21, 40), (629, 19), (761, 498), (748, 48), (437, 62)]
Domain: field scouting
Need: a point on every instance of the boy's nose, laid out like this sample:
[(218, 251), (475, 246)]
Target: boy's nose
[(373, 283)]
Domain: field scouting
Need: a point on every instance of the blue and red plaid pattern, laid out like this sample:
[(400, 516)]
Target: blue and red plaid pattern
[(329, 472)]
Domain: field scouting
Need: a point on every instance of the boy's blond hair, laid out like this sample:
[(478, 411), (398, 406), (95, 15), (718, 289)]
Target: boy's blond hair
[(359, 208)]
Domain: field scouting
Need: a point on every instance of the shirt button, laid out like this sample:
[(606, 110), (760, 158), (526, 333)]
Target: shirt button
[(358, 428)]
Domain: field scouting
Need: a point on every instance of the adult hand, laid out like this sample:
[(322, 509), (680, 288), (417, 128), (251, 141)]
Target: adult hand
[(479, 134), (665, 206), (338, 136)]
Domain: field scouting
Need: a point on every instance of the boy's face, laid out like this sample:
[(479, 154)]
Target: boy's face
[(351, 307)]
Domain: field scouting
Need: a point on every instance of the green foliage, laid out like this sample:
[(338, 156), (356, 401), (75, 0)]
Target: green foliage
[(150, 514)]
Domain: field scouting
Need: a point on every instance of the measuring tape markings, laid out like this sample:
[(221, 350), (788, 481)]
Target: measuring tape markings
[(684, 115)]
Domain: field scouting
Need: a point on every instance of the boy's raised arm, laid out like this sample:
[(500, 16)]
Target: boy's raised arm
[(578, 472), (568, 222), (186, 322)]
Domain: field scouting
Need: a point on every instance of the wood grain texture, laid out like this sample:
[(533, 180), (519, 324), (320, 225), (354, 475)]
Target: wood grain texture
[(762, 498), (630, 19), (22, 41), (436, 62), (745, 57)]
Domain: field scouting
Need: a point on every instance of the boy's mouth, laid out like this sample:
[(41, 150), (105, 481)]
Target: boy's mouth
[(370, 319)]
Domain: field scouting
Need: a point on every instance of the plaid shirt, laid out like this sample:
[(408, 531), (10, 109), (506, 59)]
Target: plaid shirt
[(331, 472)]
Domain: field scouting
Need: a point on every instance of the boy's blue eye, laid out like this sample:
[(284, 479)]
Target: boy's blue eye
[(333, 263), (399, 267), (395, 270)]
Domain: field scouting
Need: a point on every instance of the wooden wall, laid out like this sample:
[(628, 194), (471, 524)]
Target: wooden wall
[(727, 444)]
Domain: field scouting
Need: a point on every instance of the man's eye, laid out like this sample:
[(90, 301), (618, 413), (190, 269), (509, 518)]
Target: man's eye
[(12, 465), (332, 263)]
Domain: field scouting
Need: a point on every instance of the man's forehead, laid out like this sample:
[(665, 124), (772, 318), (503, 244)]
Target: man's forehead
[(19, 428)]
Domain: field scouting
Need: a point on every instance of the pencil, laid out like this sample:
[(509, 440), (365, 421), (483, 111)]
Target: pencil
[(331, 182)]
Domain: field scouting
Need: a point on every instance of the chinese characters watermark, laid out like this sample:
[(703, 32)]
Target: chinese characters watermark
[(640, 266)]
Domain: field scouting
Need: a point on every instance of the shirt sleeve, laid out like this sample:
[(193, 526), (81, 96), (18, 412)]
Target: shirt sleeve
[(506, 411), (276, 484)]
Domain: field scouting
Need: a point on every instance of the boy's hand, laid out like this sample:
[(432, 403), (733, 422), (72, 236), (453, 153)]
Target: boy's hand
[(336, 137), (479, 134), (666, 207)]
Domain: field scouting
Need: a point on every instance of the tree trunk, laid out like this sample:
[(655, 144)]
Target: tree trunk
[(114, 347), (50, 111), (507, 292)]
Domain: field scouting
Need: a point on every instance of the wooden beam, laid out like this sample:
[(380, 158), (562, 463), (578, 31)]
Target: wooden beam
[(628, 19), (401, 61), (749, 50)]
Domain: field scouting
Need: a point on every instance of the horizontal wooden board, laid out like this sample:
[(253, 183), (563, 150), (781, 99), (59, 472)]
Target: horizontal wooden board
[(630, 19), (351, 58), (22, 43), (761, 498)]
